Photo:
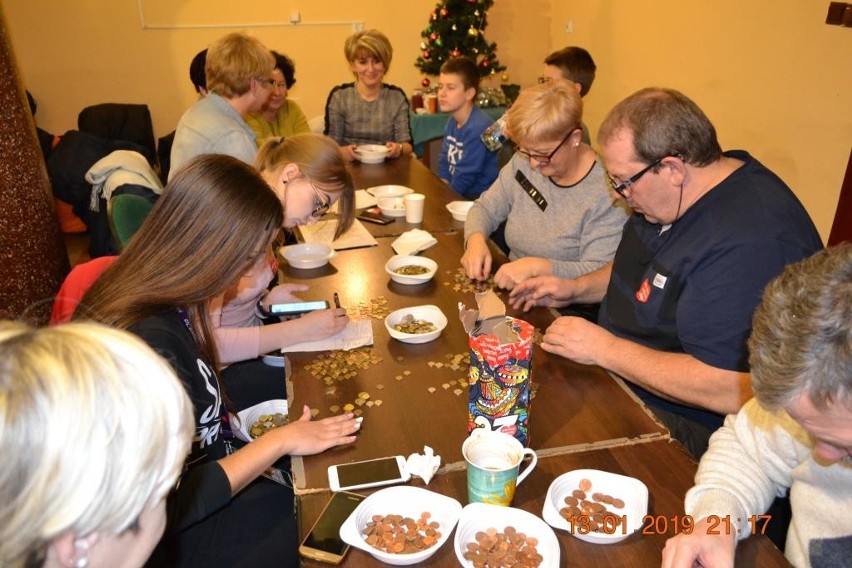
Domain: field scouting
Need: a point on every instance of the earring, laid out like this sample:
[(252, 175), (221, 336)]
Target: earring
[(576, 144), (81, 553)]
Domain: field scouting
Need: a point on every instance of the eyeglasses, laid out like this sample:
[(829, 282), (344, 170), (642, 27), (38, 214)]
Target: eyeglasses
[(619, 188), (542, 79), (278, 86), (270, 82), (541, 158), (321, 203)]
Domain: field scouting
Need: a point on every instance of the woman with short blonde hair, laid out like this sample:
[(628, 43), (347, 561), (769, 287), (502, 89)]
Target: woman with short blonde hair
[(95, 428), (368, 111), (560, 216)]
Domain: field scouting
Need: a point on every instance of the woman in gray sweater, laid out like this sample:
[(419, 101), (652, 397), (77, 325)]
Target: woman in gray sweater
[(561, 217)]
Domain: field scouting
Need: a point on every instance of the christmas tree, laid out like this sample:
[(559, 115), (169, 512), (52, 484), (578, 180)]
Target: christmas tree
[(456, 28)]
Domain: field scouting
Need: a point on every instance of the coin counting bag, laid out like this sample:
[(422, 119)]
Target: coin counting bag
[(499, 372)]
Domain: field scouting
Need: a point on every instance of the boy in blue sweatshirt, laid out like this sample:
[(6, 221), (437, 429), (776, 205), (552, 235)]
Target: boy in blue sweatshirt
[(466, 164)]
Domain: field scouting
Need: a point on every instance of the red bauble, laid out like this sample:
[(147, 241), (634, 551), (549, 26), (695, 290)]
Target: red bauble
[(444, 12), (485, 63), (425, 82), (456, 53), (433, 36), (427, 54), (433, 15)]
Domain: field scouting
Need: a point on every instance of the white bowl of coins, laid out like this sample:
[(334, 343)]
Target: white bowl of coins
[(411, 269), (257, 420), (596, 506), (484, 528), (416, 522), (419, 324), (372, 153)]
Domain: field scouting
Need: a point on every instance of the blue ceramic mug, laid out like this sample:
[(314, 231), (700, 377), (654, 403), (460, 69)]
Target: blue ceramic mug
[(493, 465)]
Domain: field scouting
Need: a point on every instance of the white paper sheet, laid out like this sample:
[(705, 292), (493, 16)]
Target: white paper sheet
[(363, 199), (355, 334), (323, 232)]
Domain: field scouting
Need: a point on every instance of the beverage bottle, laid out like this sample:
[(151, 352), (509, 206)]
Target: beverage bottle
[(495, 135)]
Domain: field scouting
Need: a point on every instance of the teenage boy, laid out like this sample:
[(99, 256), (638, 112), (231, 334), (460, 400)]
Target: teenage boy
[(575, 64), (466, 164)]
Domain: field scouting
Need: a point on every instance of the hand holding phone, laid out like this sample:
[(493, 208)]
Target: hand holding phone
[(369, 473), (297, 308), (323, 543)]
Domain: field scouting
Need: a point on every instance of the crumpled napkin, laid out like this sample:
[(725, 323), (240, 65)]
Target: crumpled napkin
[(423, 465), (413, 241)]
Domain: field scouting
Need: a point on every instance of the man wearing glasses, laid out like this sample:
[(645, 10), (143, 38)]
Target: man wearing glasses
[(239, 81), (710, 229)]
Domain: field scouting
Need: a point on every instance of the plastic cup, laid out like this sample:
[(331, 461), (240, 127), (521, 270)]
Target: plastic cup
[(413, 203)]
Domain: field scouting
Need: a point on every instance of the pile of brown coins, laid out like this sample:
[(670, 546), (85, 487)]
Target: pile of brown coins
[(494, 549), (594, 510), (396, 534)]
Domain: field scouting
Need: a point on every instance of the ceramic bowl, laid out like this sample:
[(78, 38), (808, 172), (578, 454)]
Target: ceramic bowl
[(480, 517), (252, 414), (627, 519), (408, 502), (427, 313), (372, 153), (459, 209), (380, 191), (392, 206), (307, 255), (399, 261)]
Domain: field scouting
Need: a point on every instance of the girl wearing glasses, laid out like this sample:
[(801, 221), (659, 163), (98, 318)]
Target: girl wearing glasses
[(561, 218), (309, 174), (214, 220)]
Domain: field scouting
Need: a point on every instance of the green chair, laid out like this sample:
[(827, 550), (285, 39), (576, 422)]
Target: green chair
[(126, 213)]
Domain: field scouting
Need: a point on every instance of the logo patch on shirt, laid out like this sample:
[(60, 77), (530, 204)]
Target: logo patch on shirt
[(660, 281), (644, 291)]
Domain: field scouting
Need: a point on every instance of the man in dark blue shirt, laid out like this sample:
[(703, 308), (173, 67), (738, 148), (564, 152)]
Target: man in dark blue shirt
[(710, 230)]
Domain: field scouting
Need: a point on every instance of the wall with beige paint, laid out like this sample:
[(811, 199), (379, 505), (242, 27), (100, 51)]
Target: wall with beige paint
[(771, 75)]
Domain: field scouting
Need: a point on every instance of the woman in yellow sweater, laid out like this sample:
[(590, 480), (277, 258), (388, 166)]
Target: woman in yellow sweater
[(279, 117)]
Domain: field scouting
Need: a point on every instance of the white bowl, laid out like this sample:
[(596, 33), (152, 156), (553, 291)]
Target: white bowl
[(307, 255), (428, 313), (481, 516), (408, 502), (459, 209), (252, 414), (372, 153), (399, 261), (633, 492), (389, 190), (392, 206)]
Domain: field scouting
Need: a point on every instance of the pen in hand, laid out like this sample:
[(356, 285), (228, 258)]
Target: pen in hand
[(337, 301)]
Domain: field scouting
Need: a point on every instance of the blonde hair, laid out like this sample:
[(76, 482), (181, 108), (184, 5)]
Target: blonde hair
[(545, 112), (319, 161), (371, 42), (232, 61), (94, 426)]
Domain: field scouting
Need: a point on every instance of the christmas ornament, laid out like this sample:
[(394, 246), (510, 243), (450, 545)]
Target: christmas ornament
[(456, 53), (485, 63), (425, 82), (427, 54), (472, 32), (455, 27), (433, 36), (422, 45), (444, 12), (439, 42), (476, 13), (504, 77), (433, 15)]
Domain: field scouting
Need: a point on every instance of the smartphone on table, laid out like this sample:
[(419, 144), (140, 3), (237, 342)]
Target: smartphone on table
[(323, 542), (369, 473), (297, 308), (375, 215)]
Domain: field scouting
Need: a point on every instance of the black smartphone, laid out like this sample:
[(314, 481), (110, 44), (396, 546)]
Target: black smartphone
[(323, 543), (297, 308), (375, 215)]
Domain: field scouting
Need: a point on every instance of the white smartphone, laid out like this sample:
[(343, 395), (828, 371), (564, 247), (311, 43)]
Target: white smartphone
[(297, 308), (323, 543), (369, 473)]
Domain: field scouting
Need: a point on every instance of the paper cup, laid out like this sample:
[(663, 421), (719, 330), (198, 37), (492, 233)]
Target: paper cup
[(413, 203)]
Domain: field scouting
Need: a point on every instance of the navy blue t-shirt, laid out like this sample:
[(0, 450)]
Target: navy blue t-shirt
[(693, 287)]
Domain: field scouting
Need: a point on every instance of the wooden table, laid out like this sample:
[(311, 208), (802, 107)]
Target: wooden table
[(410, 172), (663, 466), (575, 407)]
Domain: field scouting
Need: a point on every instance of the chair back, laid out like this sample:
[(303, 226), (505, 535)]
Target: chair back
[(126, 212)]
